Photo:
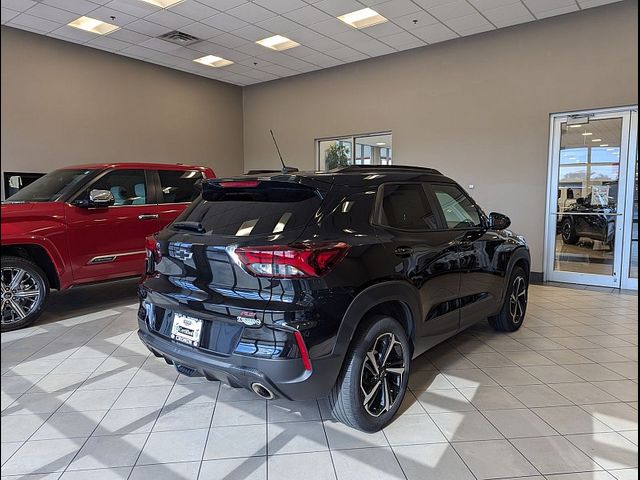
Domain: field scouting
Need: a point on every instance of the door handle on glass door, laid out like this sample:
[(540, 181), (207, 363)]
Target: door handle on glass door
[(148, 216), (403, 251)]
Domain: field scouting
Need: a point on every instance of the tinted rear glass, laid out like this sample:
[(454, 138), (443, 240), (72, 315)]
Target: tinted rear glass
[(268, 208)]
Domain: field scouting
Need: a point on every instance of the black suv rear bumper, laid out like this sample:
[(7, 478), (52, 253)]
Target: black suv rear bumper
[(286, 378)]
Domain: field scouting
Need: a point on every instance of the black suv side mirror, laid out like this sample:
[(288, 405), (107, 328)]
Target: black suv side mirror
[(97, 199), (498, 221)]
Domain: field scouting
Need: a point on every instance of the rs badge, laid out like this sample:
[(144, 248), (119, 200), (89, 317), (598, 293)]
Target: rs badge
[(250, 319)]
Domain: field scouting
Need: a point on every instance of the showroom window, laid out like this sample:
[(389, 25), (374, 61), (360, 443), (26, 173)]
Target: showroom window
[(459, 211), (127, 186), (405, 206), (179, 186), (366, 149)]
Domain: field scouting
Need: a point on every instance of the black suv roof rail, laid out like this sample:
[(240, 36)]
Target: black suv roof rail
[(397, 168)]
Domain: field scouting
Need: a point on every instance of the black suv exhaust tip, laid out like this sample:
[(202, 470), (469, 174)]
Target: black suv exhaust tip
[(262, 391)]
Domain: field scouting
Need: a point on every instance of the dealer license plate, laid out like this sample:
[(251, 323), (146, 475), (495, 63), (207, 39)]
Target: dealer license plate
[(186, 329)]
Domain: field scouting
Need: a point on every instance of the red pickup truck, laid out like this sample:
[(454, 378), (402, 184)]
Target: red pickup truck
[(85, 224)]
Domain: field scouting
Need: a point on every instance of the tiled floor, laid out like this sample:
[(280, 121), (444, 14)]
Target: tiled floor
[(82, 399)]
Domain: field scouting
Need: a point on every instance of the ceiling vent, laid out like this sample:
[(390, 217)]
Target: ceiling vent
[(179, 38)]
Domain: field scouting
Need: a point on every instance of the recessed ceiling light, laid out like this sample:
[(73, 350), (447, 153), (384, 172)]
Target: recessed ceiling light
[(93, 25), (596, 139), (605, 145), (586, 134), (575, 126), (381, 144), (163, 3), (362, 18), (278, 42), (213, 61)]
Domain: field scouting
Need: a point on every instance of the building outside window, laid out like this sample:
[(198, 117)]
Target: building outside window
[(366, 149)]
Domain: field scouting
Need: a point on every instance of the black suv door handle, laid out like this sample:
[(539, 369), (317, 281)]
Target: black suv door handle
[(403, 251)]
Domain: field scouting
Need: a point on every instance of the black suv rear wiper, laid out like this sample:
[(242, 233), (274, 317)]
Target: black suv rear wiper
[(193, 226)]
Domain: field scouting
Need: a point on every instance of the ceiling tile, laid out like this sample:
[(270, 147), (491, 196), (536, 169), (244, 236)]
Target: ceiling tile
[(106, 42), (81, 7), (51, 13), (338, 7), (193, 10), (346, 54), (250, 12), (330, 27), (34, 23), (252, 49), (75, 34), (435, 33), (186, 53), (129, 36), (409, 46), (314, 40), (228, 40), (147, 28), (281, 6), (323, 60), (469, 23), (169, 19), (278, 25), (201, 30), (160, 45), (222, 5), (307, 15), (18, 5), (407, 21), (104, 13), (542, 5), (252, 33), (402, 38), (137, 9), (301, 52), (397, 8), (225, 22), (595, 3), (503, 16), (426, 4), (457, 8), (374, 48), (7, 14), (557, 11), (489, 4), (383, 30), (352, 37)]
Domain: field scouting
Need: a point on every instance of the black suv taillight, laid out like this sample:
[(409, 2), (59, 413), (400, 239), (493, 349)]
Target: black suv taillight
[(291, 261), (152, 248)]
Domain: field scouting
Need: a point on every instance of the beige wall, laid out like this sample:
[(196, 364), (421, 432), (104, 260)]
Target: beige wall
[(64, 103), (475, 108)]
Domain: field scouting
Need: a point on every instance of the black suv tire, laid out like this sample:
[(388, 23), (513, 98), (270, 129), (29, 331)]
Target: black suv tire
[(379, 370), (514, 308), (33, 280), (569, 235)]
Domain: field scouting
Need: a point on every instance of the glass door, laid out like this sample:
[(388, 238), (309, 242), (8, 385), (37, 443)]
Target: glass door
[(630, 252), (586, 199)]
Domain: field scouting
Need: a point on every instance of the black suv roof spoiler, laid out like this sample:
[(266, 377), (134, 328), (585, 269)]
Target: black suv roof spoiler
[(394, 168)]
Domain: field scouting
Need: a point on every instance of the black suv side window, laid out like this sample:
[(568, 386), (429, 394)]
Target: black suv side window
[(405, 206), (178, 186), (127, 186), (457, 208)]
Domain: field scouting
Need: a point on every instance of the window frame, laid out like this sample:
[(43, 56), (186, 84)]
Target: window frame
[(377, 209), (148, 183), (352, 141), (158, 184), (481, 215)]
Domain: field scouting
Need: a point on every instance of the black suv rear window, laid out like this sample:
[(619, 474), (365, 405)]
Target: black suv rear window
[(253, 208)]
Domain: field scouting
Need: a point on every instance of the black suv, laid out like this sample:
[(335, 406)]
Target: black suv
[(307, 285)]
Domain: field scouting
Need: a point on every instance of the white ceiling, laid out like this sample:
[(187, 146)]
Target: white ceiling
[(229, 29)]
